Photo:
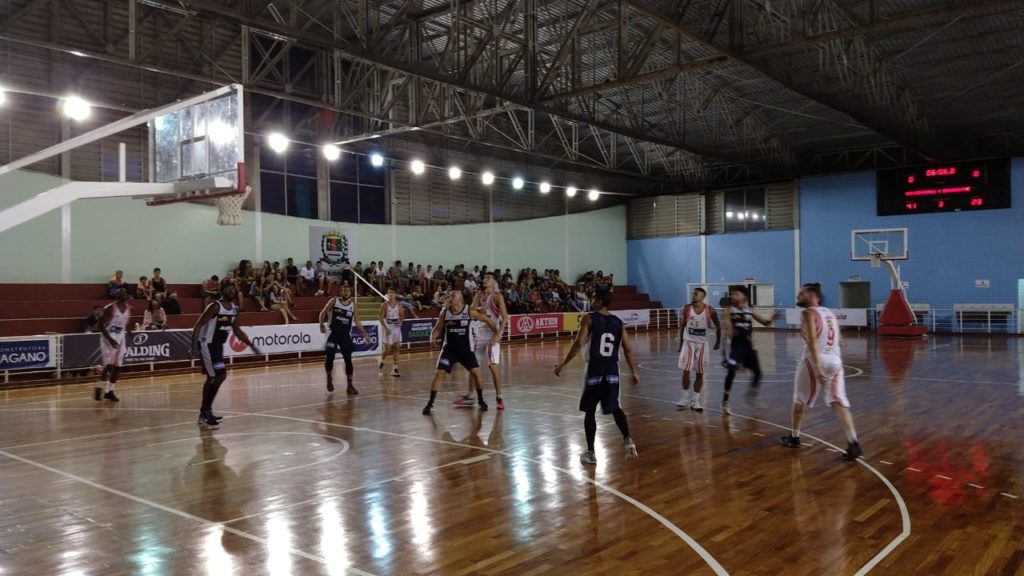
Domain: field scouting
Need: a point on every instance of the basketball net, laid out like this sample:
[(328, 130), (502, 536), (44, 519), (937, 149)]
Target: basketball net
[(229, 208), (876, 260)]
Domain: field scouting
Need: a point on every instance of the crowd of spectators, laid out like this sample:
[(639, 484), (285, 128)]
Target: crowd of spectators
[(273, 287)]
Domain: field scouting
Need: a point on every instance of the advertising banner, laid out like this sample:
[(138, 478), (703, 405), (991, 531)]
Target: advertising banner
[(333, 248), (292, 338), (27, 353), (571, 321), (535, 324), (417, 330), (631, 318), (845, 316), (83, 350)]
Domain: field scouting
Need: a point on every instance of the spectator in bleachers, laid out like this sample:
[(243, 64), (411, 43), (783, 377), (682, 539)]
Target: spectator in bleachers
[(306, 279), (115, 284), (324, 281), (258, 288), (439, 274), (440, 298), (507, 277), (470, 286), (154, 318), (92, 321), (211, 290), (580, 301), (291, 273), (410, 275), (158, 282), (170, 303), (144, 289), (279, 303), (535, 300), (512, 300), (275, 267)]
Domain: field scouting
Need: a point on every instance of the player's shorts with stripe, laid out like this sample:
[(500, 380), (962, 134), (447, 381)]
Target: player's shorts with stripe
[(393, 335), (487, 352), (113, 356), (213, 358), (604, 393), (694, 356), (449, 358), (742, 353), (339, 343), (808, 384)]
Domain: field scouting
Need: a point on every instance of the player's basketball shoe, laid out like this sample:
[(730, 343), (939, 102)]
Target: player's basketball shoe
[(206, 420), (351, 390), (428, 409), (464, 401), (482, 406), (110, 396), (630, 449), (588, 458), (696, 405), (501, 404), (790, 441), (725, 408), (853, 451), (394, 371), (684, 401), (330, 383)]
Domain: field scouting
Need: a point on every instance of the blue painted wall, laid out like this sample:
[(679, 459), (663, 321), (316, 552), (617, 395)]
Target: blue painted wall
[(948, 252), (662, 267)]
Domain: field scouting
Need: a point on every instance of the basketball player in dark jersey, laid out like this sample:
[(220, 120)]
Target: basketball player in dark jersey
[(343, 314), (208, 337), (602, 335), (739, 323), (452, 330)]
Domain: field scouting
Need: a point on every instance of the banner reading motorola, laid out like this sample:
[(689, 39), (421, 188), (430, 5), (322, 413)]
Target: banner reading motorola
[(294, 338), (30, 353), (535, 324), (333, 248)]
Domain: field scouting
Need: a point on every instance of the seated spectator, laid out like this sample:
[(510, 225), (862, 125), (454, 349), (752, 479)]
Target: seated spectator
[(144, 289), (92, 321), (535, 300), (507, 277), (258, 287), (116, 283), (307, 279), (279, 303), (291, 273), (170, 304), (440, 299), (211, 290), (580, 300), (470, 285), (323, 279), (158, 282), (512, 301), (154, 318)]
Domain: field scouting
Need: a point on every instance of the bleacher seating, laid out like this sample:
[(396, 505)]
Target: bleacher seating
[(27, 309)]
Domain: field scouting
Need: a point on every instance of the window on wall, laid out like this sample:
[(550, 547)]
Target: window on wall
[(745, 210), (358, 190), (288, 181)]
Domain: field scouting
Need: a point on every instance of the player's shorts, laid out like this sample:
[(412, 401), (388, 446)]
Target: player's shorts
[(807, 386), (742, 353), (393, 335), (113, 356), (449, 358), (487, 353), (694, 356), (604, 393), (213, 358), (338, 343)]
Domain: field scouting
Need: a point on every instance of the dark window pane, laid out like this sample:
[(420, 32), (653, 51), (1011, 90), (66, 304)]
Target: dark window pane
[(302, 161), (345, 168), (270, 160), (302, 197), (272, 193), (344, 202), (370, 174), (372, 205), (757, 219)]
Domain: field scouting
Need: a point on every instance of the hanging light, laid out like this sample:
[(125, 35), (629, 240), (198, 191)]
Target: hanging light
[(331, 152), (487, 178), (417, 167), (545, 187), (377, 160), (76, 108), (455, 172), (570, 191), (593, 195), (278, 142), (518, 183)]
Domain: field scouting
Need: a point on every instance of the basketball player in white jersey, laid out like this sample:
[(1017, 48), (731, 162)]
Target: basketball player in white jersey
[(698, 317), (391, 316), (215, 324), (822, 369), (114, 324), (486, 343)]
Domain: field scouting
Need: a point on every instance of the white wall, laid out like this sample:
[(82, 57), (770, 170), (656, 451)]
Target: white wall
[(185, 241)]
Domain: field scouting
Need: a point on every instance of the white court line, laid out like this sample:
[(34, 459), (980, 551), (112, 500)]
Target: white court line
[(943, 477), (976, 486), (169, 510), (904, 513), (1008, 495), (344, 447), (884, 462), (912, 469), (693, 544)]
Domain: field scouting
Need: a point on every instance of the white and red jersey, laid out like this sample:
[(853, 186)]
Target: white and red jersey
[(826, 331), (489, 306), (393, 315), (698, 325), (119, 319)]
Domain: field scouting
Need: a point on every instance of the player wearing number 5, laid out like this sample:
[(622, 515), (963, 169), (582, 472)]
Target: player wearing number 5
[(601, 335)]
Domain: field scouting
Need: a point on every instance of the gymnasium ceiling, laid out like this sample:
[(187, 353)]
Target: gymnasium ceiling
[(686, 94)]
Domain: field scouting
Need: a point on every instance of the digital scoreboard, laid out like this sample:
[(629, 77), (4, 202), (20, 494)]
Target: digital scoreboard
[(983, 185)]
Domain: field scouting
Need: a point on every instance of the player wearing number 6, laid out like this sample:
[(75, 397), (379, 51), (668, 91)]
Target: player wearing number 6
[(601, 335), (822, 369)]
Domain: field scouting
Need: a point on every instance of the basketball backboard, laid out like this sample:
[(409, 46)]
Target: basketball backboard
[(203, 140), (886, 243)]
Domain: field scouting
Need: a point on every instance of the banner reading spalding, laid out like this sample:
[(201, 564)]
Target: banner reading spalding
[(333, 248)]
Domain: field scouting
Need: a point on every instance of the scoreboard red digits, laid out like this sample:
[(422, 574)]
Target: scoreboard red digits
[(981, 185)]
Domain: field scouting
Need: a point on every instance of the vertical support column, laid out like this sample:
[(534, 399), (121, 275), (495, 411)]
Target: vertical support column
[(323, 188), (132, 46), (703, 259), (252, 166), (394, 220), (65, 210), (796, 260), (490, 224), (568, 273)]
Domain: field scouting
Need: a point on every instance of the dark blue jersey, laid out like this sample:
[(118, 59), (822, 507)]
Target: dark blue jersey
[(456, 330), (602, 352), (341, 318), (742, 320)]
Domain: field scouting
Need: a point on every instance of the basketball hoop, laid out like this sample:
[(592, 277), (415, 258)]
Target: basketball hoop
[(229, 208), (876, 260)]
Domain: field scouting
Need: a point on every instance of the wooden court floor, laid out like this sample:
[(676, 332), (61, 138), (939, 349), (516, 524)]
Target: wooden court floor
[(297, 481)]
